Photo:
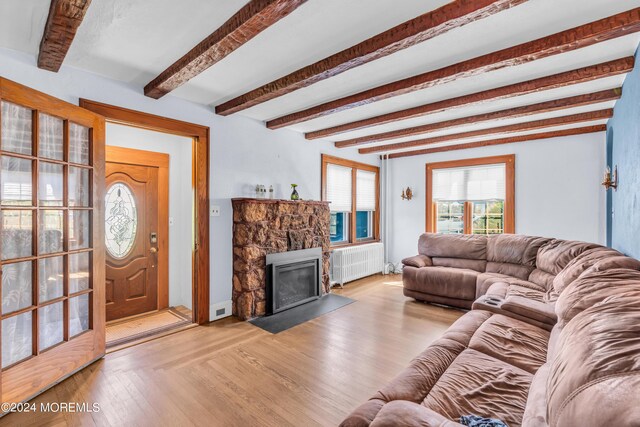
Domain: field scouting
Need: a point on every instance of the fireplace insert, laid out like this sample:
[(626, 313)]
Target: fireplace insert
[(293, 278)]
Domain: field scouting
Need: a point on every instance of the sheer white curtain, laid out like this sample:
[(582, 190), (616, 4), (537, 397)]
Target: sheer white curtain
[(486, 182), (16, 128), (51, 131)]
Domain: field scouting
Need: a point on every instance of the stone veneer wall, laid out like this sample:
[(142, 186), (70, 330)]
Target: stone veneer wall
[(262, 227)]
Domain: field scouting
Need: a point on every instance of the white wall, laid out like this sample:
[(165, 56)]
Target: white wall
[(180, 200), (243, 151), (558, 191)]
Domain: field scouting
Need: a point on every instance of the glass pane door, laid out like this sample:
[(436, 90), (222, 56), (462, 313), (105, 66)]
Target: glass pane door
[(43, 226), (47, 255)]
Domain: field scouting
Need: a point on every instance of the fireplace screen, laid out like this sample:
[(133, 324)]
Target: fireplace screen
[(293, 279)]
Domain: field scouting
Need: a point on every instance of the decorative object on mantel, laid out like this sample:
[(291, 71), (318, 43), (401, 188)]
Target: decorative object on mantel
[(407, 194), (294, 193), (611, 181), (262, 193)]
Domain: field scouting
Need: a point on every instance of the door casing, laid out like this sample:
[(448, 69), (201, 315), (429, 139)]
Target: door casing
[(200, 136)]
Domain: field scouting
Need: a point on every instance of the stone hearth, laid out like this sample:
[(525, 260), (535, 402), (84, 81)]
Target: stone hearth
[(261, 227)]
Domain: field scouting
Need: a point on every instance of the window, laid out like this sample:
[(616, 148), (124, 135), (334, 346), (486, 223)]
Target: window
[(352, 189), (472, 196)]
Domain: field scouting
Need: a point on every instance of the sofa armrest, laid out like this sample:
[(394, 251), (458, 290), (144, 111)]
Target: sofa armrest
[(535, 310), (405, 413), (418, 261)]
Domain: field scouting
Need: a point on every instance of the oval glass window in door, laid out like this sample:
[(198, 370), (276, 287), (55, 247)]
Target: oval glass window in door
[(121, 220)]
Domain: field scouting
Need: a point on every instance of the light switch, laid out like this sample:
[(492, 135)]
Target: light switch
[(215, 210)]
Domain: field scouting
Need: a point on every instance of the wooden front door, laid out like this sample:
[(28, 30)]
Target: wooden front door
[(52, 251), (131, 230)]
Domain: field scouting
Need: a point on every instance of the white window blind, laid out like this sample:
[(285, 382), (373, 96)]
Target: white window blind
[(365, 191), (339, 188), (486, 182)]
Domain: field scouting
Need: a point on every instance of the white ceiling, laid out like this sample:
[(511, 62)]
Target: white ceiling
[(133, 41)]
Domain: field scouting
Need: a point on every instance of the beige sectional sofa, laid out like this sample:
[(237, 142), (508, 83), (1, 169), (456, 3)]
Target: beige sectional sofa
[(553, 337)]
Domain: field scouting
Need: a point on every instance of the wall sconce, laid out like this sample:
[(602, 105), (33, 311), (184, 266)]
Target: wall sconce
[(407, 194), (611, 181)]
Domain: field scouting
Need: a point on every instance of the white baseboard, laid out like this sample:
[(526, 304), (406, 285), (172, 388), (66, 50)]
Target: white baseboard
[(219, 310)]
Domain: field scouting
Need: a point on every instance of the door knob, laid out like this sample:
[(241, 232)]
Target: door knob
[(153, 250)]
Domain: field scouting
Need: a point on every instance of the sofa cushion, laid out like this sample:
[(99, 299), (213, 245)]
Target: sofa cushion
[(579, 264), (514, 249), (593, 287), (553, 257), (442, 281), (409, 414), (512, 254), (595, 374), (527, 290), (512, 341), (466, 246), (614, 262), (418, 261), (535, 413), (476, 383), (512, 270), (486, 280), (478, 265), (542, 278)]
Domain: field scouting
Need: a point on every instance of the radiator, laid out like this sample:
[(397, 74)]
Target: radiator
[(355, 262)]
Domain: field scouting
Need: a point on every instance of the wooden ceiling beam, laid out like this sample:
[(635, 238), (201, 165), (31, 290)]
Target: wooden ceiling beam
[(508, 140), (412, 32), (576, 38), (510, 113), (65, 16), (255, 17), (556, 81), (518, 127)]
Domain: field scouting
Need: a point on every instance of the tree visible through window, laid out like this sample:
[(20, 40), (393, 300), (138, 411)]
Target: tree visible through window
[(473, 196)]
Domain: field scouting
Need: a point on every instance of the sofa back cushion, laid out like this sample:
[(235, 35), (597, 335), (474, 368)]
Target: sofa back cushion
[(595, 372), (455, 250), (513, 254), (579, 264), (593, 287), (553, 257)]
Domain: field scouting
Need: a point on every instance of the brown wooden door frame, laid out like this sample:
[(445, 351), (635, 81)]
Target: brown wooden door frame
[(32, 376), (509, 203), (200, 152), (131, 156)]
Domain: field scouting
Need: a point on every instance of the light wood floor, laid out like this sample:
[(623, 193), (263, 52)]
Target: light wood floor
[(134, 330), (232, 373)]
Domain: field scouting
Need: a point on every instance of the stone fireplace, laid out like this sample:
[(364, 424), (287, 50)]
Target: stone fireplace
[(263, 226)]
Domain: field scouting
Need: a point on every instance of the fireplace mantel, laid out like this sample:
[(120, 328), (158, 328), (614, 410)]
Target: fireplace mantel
[(267, 226)]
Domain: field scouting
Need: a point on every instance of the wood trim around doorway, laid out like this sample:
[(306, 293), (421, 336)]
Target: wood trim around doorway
[(201, 137), (132, 156)]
